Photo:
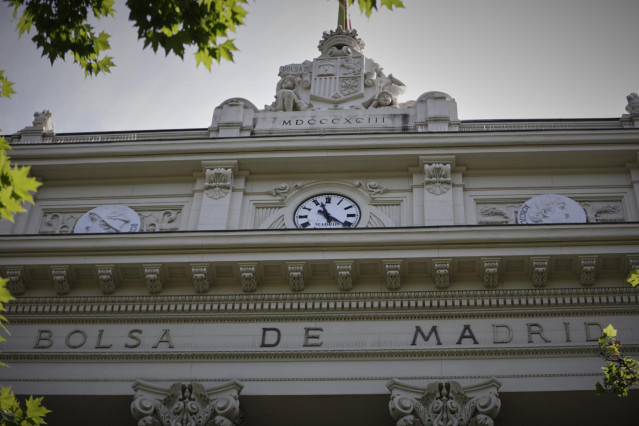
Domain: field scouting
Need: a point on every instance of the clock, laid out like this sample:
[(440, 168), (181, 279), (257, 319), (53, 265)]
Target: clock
[(327, 211)]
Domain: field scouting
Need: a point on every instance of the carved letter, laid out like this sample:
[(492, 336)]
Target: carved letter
[(273, 344), (133, 336), (467, 333), (589, 337), (419, 331), (538, 330), (308, 336), (567, 328), (76, 345), (46, 336), (496, 338), (98, 344), (164, 338)]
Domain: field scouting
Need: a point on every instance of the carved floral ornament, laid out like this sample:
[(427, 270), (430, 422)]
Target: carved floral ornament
[(444, 404), (437, 178), (187, 404), (219, 182)]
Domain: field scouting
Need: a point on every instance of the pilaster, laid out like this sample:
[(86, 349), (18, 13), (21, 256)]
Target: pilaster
[(217, 206)]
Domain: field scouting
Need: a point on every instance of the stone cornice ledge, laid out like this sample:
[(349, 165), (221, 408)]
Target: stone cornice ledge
[(430, 241)]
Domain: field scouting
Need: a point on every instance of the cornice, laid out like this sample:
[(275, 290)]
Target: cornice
[(422, 242), (246, 308), (308, 355)]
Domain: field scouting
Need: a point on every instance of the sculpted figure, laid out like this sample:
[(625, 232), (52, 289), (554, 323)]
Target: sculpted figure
[(43, 119), (388, 89), (633, 103), (286, 97)]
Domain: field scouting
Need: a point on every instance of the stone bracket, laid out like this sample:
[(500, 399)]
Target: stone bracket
[(248, 277), (152, 275), (490, 271), (296, 275), (200, 276), (393, 275), (441, 272), (106, 278), (60, 276), (587, 273), (344, 274)]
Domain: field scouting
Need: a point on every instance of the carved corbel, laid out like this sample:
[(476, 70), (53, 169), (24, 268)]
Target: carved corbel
[(587, 273), (296, 275), (393, 276), (219, 182), (187, 404), (153, 278), (344, 275), (444, 403), (106, 278), (441, 272), (16, 284), (539, 271), (633, 263), (437, 178), (490, 272), (248, 276), (60, 277), (199, 273)]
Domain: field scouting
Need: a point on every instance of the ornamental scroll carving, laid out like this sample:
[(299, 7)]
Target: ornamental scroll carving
[(187, 404), (219, 182), (444, 404), (437, 178)]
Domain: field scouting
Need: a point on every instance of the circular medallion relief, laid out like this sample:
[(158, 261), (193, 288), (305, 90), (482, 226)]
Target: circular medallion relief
[(108, 219), (551, 208), (327, 211)]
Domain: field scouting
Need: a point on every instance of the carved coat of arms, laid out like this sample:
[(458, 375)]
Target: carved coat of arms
[(338, 79)]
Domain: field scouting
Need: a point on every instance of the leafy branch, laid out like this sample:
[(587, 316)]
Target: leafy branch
[(619, 372)]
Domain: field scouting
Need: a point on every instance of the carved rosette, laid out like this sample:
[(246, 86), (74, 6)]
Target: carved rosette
[(296, 276), (15, 285), (281, 191), (441, 273), (540, 272), (344, 275), (248, 278), (61, 283), (219, 182), (106, 278), (153, 279), (187, 404), (393, 277), (444, 404), (199, 274), (437, 178), (587, 274), (490, 272)]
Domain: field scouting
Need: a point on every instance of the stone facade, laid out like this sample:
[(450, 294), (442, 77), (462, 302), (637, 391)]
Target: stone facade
[(479, 261)]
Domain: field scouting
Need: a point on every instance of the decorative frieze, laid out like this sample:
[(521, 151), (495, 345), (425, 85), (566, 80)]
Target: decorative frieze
[(187, 404), (490, 272), (15, 285), (151, 220), (441, 273), (199, 273), (587, 272), (296, 275), (496, 214), (437, 178), (60, 277), (219, 182), (153, 278), (393, 276), (344, 275), (106, 278), (604, 211), (539, 271), (248, 277), (444, 403)]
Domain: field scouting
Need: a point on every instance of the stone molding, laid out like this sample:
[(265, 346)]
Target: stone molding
[(106, 278), (199, 273), (187, 404), (248, 277), (444, 403), (326, 306)]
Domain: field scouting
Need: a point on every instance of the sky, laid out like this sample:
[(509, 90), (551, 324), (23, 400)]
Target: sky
[(500, 59)]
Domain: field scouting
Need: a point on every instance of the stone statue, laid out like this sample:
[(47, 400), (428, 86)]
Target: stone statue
[(286, 97), (43, 119), (633, 104), (388, 88)]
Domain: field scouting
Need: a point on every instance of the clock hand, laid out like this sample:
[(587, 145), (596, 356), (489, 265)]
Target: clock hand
[(325, 213)]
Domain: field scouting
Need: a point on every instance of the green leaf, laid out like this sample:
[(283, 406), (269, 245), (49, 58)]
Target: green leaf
[(6, 89), (203, 57), (633, 277), (35, 410), (610, 331)]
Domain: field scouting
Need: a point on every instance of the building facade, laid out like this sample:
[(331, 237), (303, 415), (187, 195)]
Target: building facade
[(337, 257)]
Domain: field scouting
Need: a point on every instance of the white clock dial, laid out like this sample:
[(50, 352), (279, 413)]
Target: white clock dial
[(327, 211)]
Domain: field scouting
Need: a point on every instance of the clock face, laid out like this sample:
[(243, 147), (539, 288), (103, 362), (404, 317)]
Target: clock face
[(327, 211)]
